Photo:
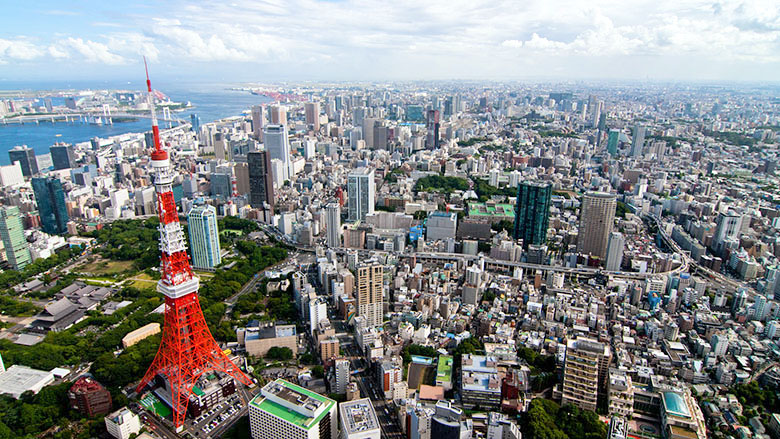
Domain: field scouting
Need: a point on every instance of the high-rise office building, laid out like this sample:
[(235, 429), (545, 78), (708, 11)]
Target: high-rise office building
[(11, 175), (26, 158), (615, 248), (62, 156), (258, 122), (612, 142), (381, 135), (261, 187), (195, 122), (585, 369), (638, 140), (51, 205), (277, 143), (447, 423), (729, 228), (596, 217), (17, 251), (341, 366), (368, 131), (333, 224), (312, 110), (284, 410), (500, 426), (532, 212), (369, 293), (221, 184), (278, 114), (360, 192), (358, 420), (432, 124), (204, 237), (358, 114), (594, 111)]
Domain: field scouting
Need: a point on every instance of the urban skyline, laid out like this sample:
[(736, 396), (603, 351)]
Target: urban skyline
[(395, 259)]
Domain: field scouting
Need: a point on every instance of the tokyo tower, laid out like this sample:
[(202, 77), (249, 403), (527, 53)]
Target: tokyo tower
[(187, 349)]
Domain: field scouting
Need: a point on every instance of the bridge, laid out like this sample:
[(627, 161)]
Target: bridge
[(85, 115)]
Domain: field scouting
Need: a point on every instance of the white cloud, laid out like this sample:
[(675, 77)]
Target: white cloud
[(92, 51), (445, 37), (515, 44), (18, 50)]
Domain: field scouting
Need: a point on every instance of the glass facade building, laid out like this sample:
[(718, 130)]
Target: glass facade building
[(533, 212), (51, 205)]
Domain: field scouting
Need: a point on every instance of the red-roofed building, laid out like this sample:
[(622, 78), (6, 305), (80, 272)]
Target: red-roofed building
[(89, 397)]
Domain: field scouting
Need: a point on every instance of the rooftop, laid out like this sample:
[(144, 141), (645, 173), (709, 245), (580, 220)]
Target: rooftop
[(444, 368), (358, 416), (486, 210), (675, 405), (294, 404), (19, 379)]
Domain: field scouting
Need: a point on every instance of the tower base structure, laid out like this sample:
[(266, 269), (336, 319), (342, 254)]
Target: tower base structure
[(186, 352)]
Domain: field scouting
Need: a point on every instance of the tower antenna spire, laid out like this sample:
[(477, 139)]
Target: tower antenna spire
[(150, 96)]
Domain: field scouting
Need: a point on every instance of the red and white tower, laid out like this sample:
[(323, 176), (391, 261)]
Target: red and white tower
[(187, 350)]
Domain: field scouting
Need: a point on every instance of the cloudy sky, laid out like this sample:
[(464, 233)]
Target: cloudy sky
[(379, 40)]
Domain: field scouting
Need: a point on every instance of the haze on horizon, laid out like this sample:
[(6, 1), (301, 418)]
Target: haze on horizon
[(687, 40)]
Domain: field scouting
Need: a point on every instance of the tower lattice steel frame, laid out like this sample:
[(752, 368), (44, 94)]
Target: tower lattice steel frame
[(187, 350)]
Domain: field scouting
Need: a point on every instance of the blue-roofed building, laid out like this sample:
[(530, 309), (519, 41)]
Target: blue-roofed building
[(654, 299), (480, 383), (416, 233)]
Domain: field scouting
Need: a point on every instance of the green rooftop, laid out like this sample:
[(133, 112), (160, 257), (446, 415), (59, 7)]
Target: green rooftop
[(444, 368), (196, 390), (488, 210), (293, 417), (150, 402)]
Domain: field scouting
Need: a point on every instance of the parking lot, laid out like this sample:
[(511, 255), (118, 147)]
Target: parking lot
[(216, 418)]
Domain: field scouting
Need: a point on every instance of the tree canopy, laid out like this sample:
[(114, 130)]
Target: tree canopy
[(545, 419), (438, 183)]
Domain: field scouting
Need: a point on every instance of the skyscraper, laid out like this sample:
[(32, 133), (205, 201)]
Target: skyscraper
[(369, 293), (51, 205), (341, 365), (729, 228), (615, 248), (258, 122), (284, 410), (277, 144), (368, 131), (204, 237), (612, 142), (638, 140), (195, 122), (360, 190), (278, 114), (221, 184), (26, 158), (62, 156), (12, 233), (532, 212), (312, 110), (596, 217), (432, 124), (261, 187), (333, 224)]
